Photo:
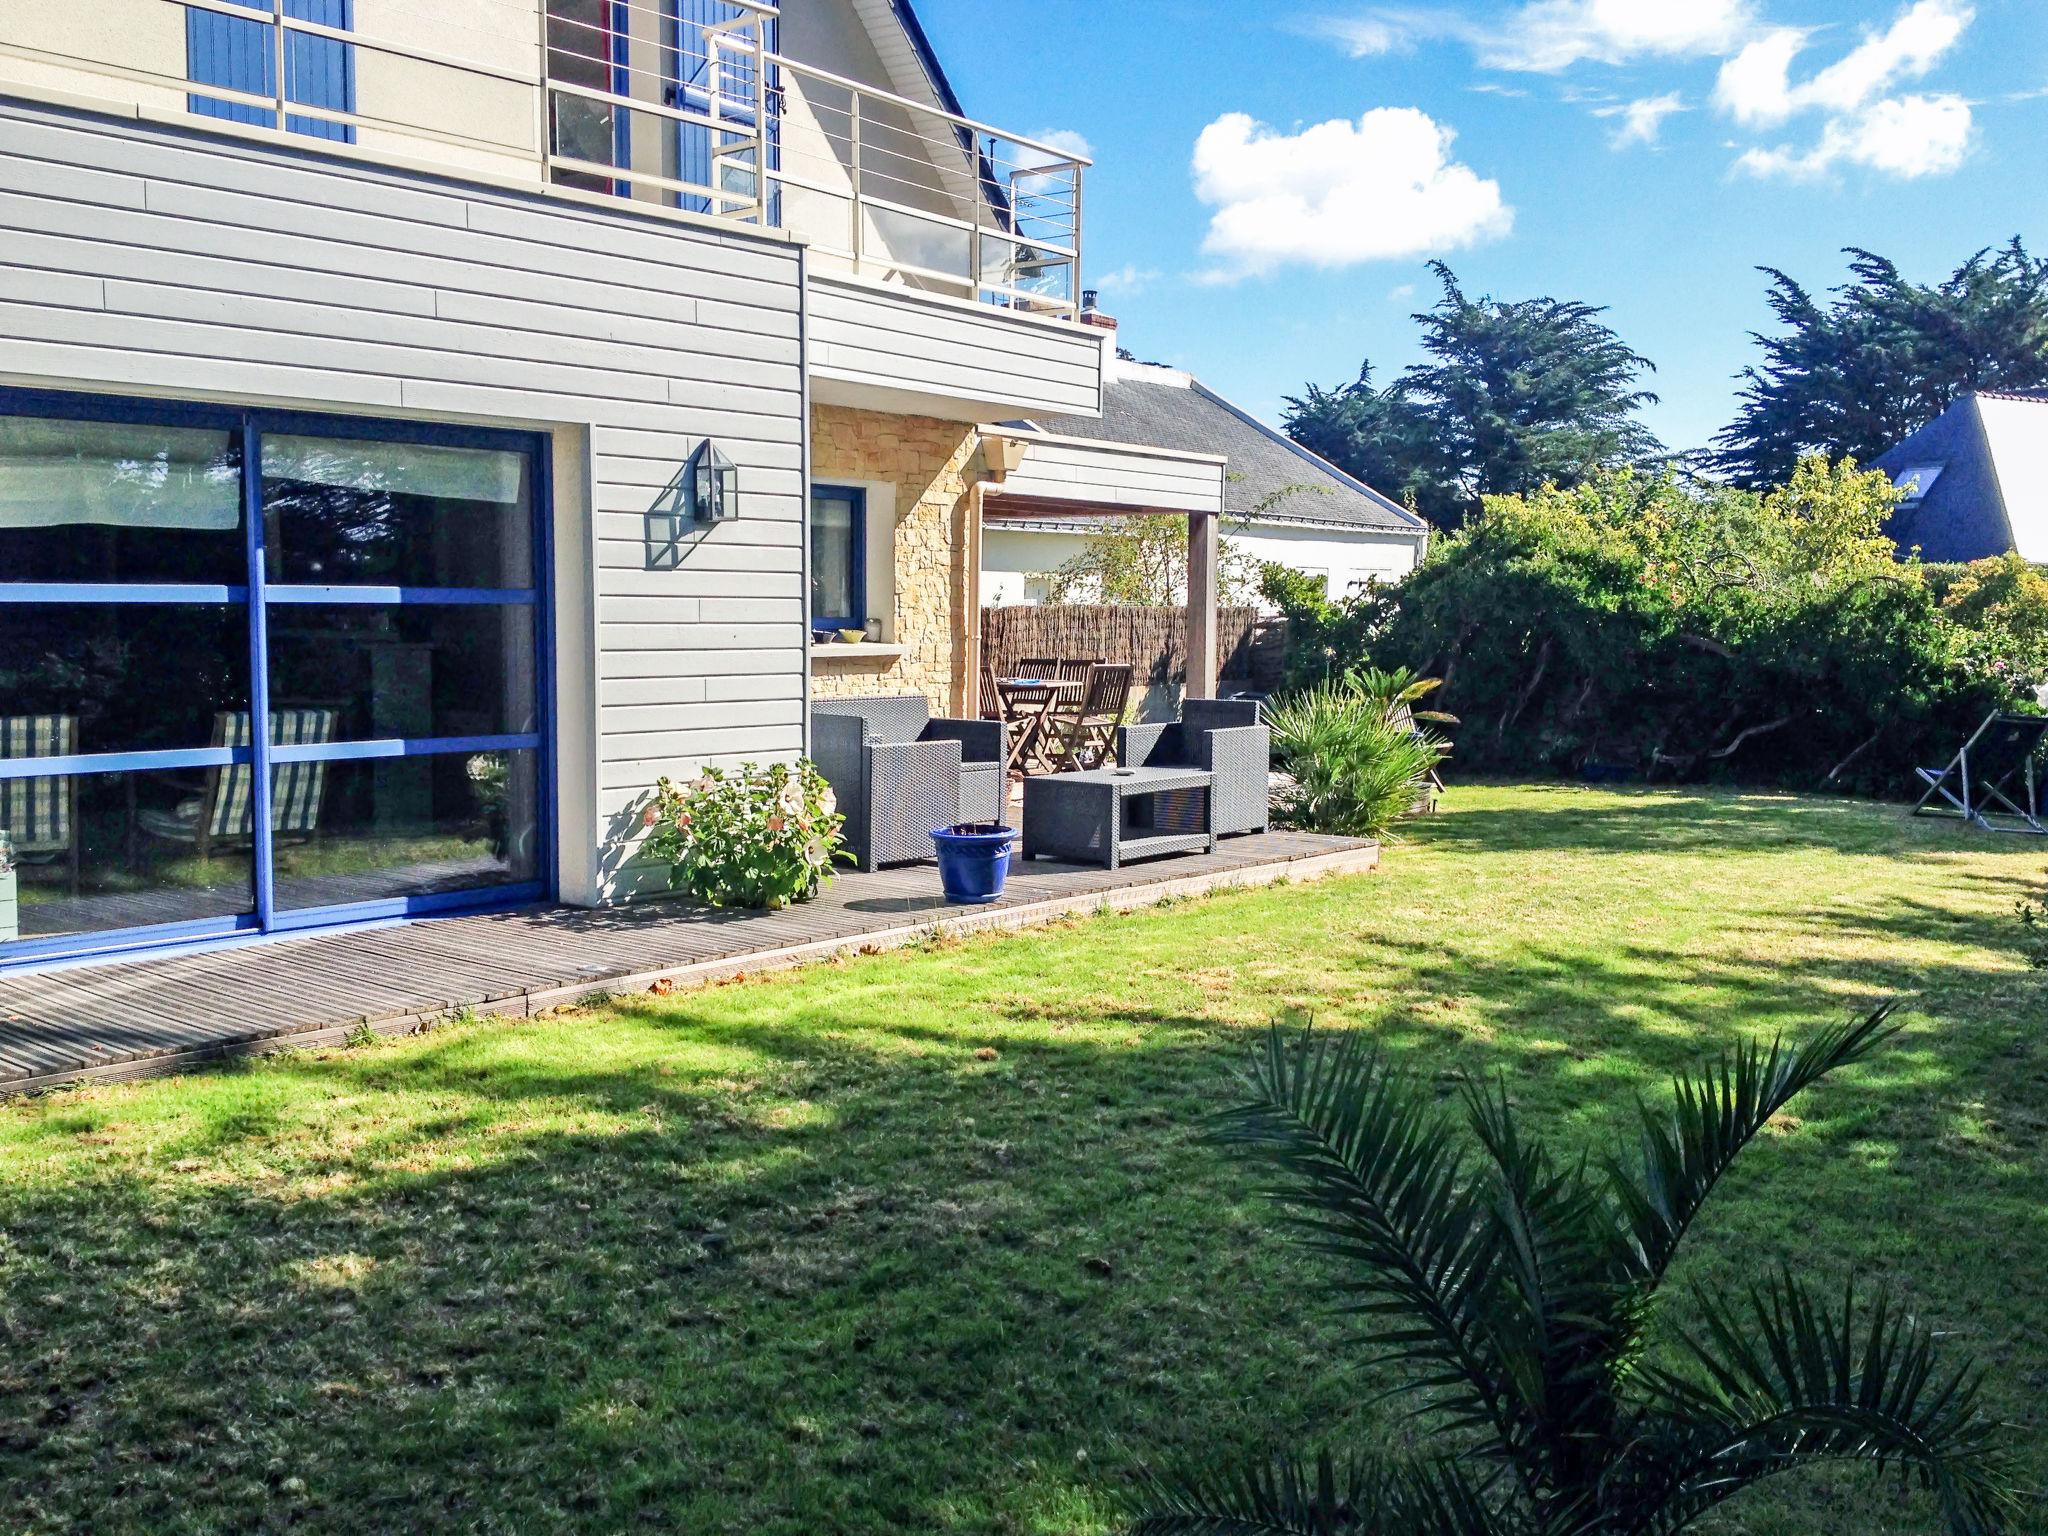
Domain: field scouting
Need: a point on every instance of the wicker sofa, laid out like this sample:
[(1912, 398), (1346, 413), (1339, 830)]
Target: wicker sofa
[(899, 773), (1221, 736)]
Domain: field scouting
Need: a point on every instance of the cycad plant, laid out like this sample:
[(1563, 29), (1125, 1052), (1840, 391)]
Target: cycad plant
[(1357, 760), (1514, 1296)]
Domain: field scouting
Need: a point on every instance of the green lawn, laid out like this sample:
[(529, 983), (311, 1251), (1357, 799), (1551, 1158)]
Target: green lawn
[(925, 1242)]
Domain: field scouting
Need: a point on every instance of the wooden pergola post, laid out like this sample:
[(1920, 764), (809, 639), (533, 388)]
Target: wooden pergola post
[(1202, 559)]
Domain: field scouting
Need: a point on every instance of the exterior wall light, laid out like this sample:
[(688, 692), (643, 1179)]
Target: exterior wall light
[(713, 483)]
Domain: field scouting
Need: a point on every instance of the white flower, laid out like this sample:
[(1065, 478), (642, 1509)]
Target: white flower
[(828, 801)]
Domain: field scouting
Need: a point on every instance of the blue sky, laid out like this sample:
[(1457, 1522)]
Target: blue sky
[(1642, 154)]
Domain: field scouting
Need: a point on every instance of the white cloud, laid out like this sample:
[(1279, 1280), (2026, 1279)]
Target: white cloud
[(1363, 37), (1906, 136), (1756, 86), (1550, 35), (1642, 120), (1546, 36), (1338, 193), (1129, 280), (1067, 142)]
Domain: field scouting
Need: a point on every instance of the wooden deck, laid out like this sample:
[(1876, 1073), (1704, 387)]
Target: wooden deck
[(150, 1016)]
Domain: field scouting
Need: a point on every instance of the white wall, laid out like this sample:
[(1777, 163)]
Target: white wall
[(892, 349), (1012, 557), (1013, 563), (473, 119), (142, 259), (1347, 560)]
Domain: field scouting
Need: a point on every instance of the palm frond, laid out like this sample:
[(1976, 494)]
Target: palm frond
[(1379, 1180), (1293, 1497), (1565, 1318), (1781, 1382), (1718, 1112)]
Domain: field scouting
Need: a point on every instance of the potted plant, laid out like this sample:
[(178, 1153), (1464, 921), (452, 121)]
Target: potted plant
[(762, 837), (974, 860)]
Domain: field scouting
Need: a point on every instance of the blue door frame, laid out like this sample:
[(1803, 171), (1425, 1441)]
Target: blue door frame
[(259, 596), (689, 89)]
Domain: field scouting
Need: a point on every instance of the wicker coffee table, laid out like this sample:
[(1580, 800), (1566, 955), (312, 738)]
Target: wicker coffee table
[(1114, 815)]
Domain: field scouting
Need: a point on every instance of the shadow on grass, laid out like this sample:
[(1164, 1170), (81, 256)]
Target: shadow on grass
[(828, 1255)]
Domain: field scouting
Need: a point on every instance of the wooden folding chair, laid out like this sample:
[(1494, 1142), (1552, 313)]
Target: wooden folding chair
[(1977, 778), (1079, 729)]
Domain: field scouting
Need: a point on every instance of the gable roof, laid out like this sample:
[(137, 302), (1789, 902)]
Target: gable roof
[(1151, 407), (1991, 494), (906, 52)]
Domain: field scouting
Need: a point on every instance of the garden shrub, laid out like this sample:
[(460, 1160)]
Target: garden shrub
[(1703, 631), (763, 837), (1355, 769)]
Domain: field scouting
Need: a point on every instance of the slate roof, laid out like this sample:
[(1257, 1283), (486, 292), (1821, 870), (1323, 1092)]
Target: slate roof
[(1992, 493), (1191, 418)]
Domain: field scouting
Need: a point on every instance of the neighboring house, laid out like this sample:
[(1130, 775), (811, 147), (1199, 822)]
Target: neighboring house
[(383, 425), (1282, 503), (1974, 480)]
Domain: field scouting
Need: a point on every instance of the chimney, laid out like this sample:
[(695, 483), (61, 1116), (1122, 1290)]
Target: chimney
[(1091, 311)]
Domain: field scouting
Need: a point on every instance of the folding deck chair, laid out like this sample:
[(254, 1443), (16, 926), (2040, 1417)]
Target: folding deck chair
[(1978, 781)]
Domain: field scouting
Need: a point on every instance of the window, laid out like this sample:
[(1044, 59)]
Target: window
[(1915, 481), (839, 537), (587, 47), (384, 614), (242, 56)]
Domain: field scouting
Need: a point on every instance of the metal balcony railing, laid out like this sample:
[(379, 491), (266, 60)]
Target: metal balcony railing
[(677, 105)]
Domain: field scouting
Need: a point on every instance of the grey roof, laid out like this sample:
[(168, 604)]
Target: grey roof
[(1195, 419), (1964, 514)]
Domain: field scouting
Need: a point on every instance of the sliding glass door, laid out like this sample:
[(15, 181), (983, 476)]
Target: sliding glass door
[(370, 591)]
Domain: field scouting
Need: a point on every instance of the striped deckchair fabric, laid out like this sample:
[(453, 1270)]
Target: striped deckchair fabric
[(296, 788), (36, 813), (225, 810)]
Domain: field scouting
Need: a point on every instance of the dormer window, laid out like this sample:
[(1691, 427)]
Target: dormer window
[(1915, 481)]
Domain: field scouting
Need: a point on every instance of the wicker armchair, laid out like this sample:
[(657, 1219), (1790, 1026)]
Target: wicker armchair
[(1221, 736), (899, 773)]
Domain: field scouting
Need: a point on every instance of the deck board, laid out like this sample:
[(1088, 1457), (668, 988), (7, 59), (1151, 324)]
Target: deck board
[(140, 1016)]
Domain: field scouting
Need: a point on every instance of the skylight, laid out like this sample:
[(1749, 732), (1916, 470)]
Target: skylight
[(1916, 480)]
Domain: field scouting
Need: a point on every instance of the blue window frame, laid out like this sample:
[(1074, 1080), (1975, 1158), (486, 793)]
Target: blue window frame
[(292, 489), (243, 56), (839, 557)]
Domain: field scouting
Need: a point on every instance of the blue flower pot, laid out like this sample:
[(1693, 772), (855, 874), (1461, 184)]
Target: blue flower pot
[(974, 860)]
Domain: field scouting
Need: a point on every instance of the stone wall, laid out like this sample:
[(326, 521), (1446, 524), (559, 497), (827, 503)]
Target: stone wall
[(932, 464)]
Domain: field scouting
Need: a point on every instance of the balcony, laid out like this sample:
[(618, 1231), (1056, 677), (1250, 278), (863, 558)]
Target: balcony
[(681, 107)]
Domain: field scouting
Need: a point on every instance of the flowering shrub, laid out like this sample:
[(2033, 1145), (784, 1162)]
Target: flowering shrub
[(763, 837)]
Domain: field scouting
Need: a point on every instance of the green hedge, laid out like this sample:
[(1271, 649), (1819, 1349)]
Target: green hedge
[(1698, 631)]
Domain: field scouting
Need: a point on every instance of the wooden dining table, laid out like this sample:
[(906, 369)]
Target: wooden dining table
[(1029, 722)]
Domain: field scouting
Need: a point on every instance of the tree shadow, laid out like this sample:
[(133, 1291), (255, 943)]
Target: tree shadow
[(822, 1255)]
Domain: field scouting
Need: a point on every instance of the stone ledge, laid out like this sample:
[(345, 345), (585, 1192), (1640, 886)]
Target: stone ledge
[(862, 652)]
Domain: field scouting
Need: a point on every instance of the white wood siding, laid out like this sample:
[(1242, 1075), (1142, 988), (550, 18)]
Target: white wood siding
[(1112, 475), (891, 349), (139, 259)]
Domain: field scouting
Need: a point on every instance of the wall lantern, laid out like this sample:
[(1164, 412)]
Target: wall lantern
[(713, 485)]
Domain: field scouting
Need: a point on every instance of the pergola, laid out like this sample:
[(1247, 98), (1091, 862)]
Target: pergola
[(1037, 477)]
